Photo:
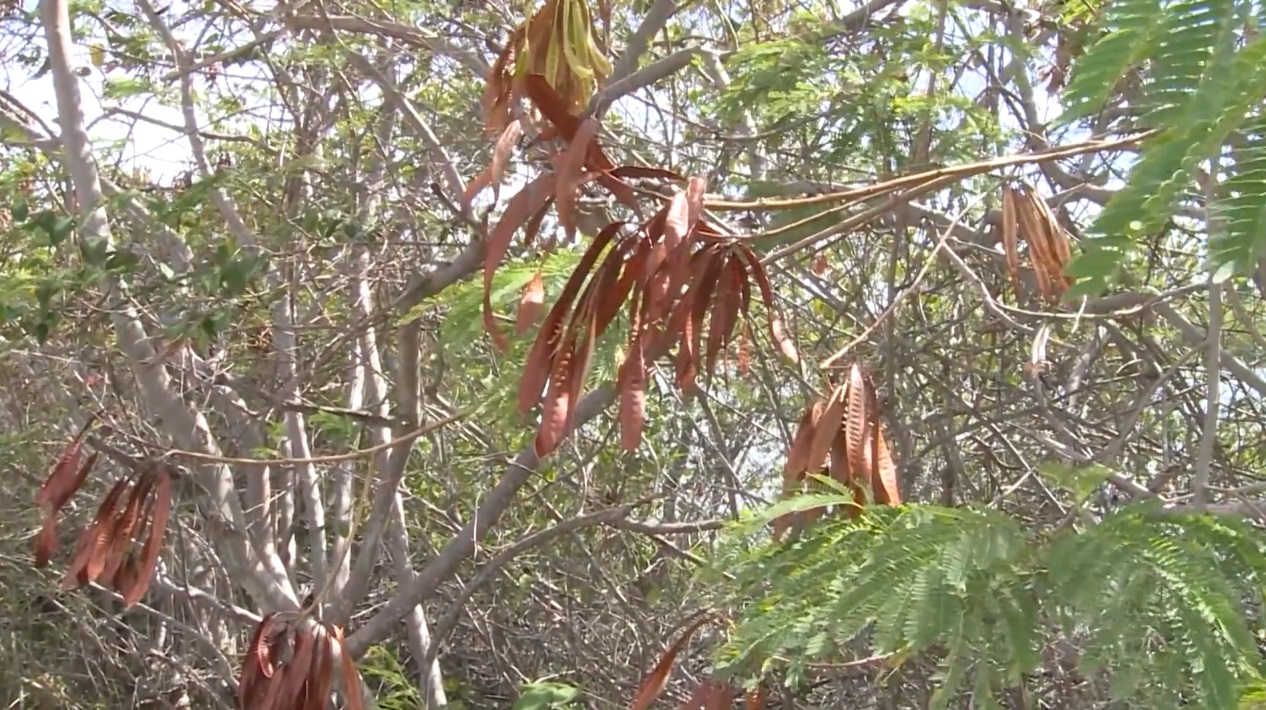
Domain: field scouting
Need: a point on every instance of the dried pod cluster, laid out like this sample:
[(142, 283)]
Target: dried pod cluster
[(1026, 217), (557, 43), (290, 666), (66, 478), (120, 548), (679, 276), (842, 435), (579, 162), (680, 279)]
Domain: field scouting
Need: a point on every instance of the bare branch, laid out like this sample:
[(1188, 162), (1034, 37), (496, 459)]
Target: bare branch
[(1213, 400), (419, 125), (647, 76), (412, 35), (463, 544), (652, 22)]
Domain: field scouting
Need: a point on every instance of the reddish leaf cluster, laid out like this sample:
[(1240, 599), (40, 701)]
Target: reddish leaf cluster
[(290, 666), (841, 435), (680, 280), (120, 548), (578, 163), (680, 277), (1026, 217)]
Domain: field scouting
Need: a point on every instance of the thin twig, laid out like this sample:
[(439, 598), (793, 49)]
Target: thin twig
[(914, 287), (1213, 382), (958, 171), (333, 458)]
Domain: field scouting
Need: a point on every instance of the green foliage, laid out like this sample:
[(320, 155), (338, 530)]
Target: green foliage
[(778, 75), (1081, 482), (544, 695), (1149, 595), (1203, 78), (388, 676), (854, 108)]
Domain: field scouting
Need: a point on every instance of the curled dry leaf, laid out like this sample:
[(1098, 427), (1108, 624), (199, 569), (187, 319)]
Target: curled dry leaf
[(60, 490), (799, 455), (321, 684), (495, 174), (350, 676), (744, 351), (570, 174), (160, 513), (506, 142), (696, 186), (94, 539), (550, 338), (559, 404), (857, 420), (499, 88), (827, 429), (67, 475), (571, 365), (631, 384), (1033, 232), (521, 208), (1058, 246), (653, 684), (676, 221), (1009, 229), (689, 313), (776, 329), (801, 444), (46, 542), (114, 535), (530, 305), (878, 459)]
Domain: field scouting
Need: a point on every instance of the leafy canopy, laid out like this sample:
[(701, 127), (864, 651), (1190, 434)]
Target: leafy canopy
[(1156, 599), (1201, 80)]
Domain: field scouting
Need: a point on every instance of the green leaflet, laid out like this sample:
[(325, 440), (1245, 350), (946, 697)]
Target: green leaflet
[(1157, 602), (1199, 83)]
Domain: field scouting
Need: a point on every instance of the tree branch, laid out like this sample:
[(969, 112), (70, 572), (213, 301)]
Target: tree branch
[(644, 77), (460, 547), (183, 423), (652, 22), (412, 35), (1213, 400)]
